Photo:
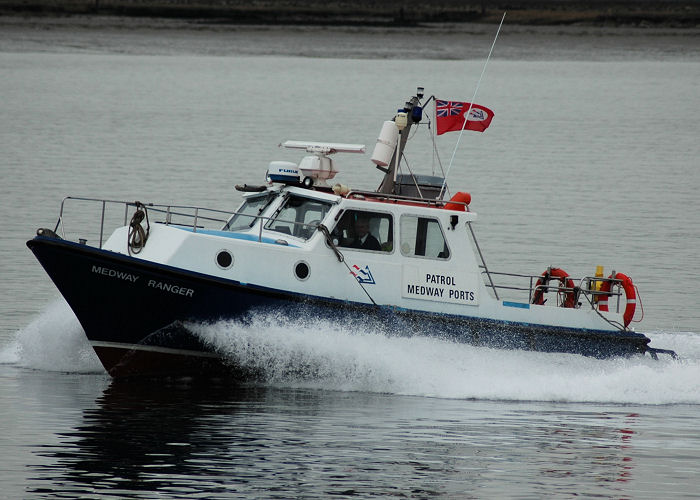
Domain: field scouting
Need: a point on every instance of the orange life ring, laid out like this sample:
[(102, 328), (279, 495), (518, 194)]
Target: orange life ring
[(630, 295), (563, 277), (462, 199)]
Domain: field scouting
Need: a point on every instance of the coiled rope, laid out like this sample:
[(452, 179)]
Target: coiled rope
[(137, 235)]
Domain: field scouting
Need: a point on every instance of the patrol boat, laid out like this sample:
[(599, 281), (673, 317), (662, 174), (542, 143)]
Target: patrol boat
[(403, 258)]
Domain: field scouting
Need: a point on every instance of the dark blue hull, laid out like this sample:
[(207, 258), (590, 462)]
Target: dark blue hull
[(135, 313)]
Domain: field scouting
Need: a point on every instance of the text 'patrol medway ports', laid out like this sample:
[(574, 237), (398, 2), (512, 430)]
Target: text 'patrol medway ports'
[(457, 288)]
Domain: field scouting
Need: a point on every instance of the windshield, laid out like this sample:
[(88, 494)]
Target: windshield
[(299, 216), (247, 214)]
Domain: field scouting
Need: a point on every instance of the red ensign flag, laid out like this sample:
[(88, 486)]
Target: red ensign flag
[(450, 116)]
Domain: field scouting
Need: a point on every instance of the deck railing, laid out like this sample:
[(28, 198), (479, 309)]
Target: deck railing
[(184, 215), (191, 216), (396, 198), (586, 287)]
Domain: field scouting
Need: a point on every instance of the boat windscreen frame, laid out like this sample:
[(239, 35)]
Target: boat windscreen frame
[(300, 228), (267, 197)]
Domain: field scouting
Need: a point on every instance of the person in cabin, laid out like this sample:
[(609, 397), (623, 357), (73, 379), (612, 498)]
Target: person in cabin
[(363, 238)]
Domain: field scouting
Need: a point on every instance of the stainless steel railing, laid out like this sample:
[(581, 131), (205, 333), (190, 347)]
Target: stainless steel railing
[(585, 286), (191, 216), (196, 215)]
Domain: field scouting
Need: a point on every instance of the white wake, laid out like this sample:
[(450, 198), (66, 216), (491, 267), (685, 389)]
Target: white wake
[(326, 355), (322, 354), (53, 341)]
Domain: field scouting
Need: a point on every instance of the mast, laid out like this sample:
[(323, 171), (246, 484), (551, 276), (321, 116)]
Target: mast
[(411, 113)]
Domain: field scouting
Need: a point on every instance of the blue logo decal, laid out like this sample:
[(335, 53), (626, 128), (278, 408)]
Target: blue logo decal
[(363, 275)]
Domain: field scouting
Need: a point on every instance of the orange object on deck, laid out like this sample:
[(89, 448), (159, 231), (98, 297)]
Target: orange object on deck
[(563, 277), (462, 199), (630, 295)]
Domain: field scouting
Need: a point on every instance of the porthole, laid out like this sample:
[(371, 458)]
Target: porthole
[(302, 270), (224, 259)]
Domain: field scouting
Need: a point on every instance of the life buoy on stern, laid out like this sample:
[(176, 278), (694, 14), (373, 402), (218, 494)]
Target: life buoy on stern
[(563, 278), (630, 294)]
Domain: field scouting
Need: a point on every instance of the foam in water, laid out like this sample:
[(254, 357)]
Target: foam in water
[(327, 355), (54, 341)]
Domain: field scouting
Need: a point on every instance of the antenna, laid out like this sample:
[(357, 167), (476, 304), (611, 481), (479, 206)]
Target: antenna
[(314, 169), (325, 148), (471, 103)]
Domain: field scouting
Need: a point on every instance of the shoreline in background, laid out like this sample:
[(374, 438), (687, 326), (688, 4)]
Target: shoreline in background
[(91, 33), (381, 13)]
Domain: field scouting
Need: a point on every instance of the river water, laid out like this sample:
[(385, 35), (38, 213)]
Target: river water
[(592, 159)]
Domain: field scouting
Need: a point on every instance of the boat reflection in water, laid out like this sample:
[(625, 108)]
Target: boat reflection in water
[(194, 438)]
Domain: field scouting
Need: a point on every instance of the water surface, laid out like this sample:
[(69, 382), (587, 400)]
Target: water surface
[(591, 160)]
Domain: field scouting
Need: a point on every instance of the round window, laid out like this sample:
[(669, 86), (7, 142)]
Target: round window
[(224, 259), (301, 270)]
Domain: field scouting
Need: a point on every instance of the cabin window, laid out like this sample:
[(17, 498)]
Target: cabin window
[(365, 231), (423, 237), (247, 214), (299, 216)]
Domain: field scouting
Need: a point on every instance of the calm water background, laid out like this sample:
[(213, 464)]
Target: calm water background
[(592, 159)]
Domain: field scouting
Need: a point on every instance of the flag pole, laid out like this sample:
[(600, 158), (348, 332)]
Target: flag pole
[(471, 103)]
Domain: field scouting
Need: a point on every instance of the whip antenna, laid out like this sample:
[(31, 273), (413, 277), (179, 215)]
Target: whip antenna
[(471, 103)]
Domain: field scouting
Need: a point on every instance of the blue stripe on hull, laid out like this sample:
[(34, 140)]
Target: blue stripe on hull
[(238, 236), (518, 305), (119, 299)]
